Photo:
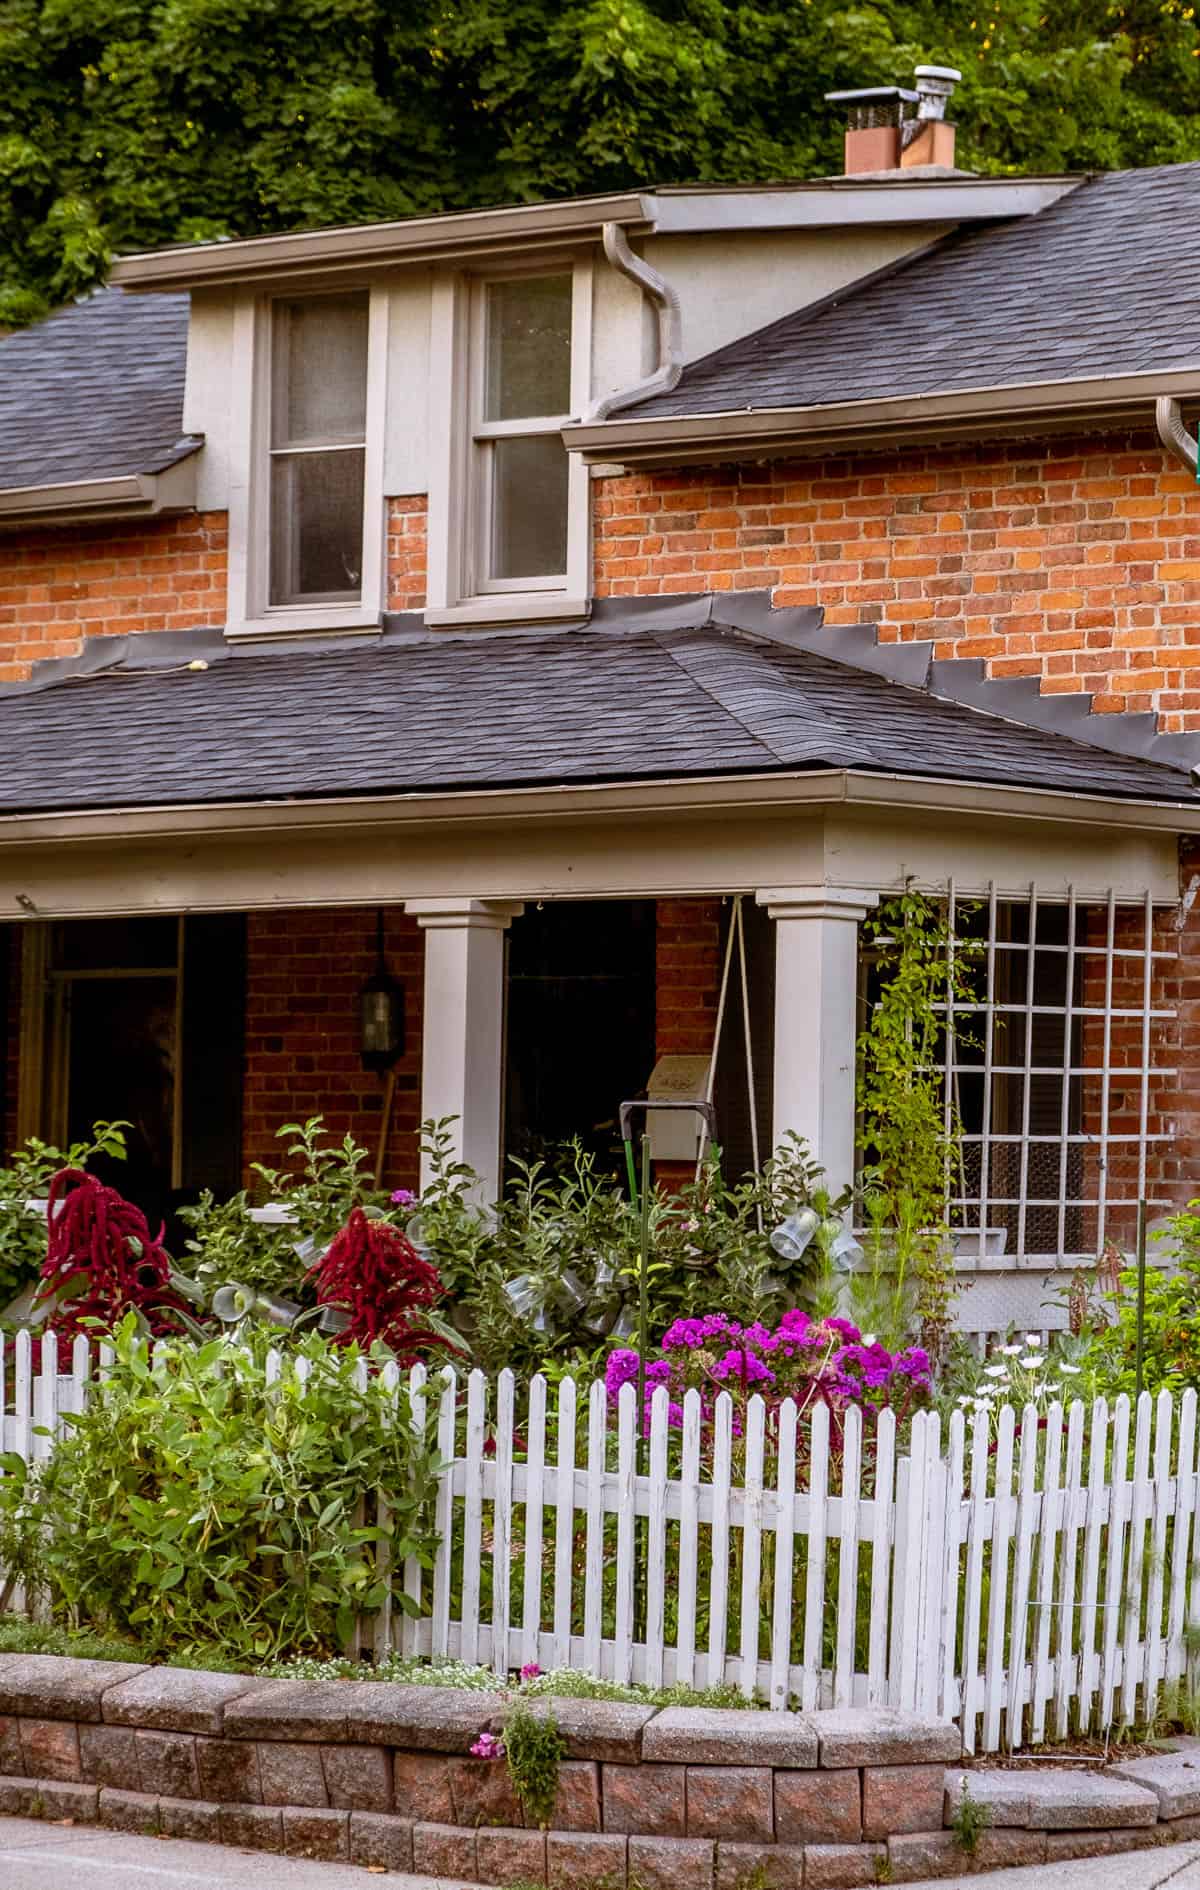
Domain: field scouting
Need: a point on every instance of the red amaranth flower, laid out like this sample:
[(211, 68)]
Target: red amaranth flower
[(374, 1272), (102, 1260)]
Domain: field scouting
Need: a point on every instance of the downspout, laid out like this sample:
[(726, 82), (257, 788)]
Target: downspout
[(670, 325), (1174, 435)]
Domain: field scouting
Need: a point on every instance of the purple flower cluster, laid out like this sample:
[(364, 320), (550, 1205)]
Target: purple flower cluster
[(800, 1358)]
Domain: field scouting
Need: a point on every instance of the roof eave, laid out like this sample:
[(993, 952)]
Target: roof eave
[(80, 501), (973, 413)]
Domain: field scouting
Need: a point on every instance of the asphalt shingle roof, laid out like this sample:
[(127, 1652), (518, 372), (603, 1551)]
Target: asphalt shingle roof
[(615, 701), (95, 391), (1104, 281)]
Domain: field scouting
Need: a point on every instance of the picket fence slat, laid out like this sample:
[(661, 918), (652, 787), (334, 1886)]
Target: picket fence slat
[(1038, 1573)]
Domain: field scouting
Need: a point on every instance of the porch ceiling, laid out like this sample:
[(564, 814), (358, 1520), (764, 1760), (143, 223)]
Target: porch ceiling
[(647, 690)]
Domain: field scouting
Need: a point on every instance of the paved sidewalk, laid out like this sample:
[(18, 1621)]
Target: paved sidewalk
[(37, 1856)]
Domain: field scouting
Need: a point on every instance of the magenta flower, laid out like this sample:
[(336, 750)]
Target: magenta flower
[(530, 1670), (402, 1197), (488, 1746)]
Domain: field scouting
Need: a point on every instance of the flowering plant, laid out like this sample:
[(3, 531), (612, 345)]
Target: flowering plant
[(1020, 1373), (808, 1360)]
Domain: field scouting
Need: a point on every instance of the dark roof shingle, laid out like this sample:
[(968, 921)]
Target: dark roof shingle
[(619, 700), (1105, 281), (95, 391)]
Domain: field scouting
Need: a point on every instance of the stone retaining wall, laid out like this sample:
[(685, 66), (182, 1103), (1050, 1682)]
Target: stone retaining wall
[(679, 1799)]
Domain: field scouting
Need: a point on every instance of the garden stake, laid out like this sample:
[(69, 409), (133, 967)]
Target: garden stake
[(1141, 1292)]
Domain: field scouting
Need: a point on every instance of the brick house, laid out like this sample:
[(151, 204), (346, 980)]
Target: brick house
[(578, 602)]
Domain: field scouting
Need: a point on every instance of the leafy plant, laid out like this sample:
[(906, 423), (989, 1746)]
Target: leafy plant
[(326, 1182), (534, 1750), (200, 1503), (27, 1178), (970, 1819), (1171, 1325)]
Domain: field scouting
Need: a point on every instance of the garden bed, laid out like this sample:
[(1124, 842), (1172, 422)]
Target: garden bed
[(662, 1799)]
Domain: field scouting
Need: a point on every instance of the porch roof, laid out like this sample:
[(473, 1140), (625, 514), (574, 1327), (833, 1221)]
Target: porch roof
[(647, 689)]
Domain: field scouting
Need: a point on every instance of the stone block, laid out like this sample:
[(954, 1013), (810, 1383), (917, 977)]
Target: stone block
[(843, 1866), (296, 1710), (577, 1802), (732, 1801), (878, 1735), (482, 1792), (11, 1761), (691, 1735), (313, 1833), (50, 1749), (252, 1827), (108, 1755), (593, 1729), (658, 1863), (901, 1798), (510, 1857), (378, 1839), (922, 1854), (1009, 1849), (1056, 1800), (762, 1866), (648, 1799), (167, 1764), (78, 1802), (17, 1797), (574, 1859), (291, 1773), (136, 1812), (49, 1686), (190, 1818), (358, 1778), (444, 1850), (228, 1771), (1061, 1845), (425, 1719), (174, 1699), (818, 1807), (1173, 1777), (421, 1783)]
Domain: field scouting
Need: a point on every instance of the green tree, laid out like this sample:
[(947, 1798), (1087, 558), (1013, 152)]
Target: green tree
[(130, 123)]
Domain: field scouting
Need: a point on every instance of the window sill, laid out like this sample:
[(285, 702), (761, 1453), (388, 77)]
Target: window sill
[(317, 622), (525, 607)]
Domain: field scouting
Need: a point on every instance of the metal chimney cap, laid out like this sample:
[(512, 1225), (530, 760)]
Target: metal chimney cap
[(938, 72)]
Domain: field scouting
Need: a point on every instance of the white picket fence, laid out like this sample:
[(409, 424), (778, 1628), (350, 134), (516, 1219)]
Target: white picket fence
[(1028, 1578)]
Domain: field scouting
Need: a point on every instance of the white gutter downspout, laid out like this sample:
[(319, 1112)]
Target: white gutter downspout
[(1173, 434), (670, 325)]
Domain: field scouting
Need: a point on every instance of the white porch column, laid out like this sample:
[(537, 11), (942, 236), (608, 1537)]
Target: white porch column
[(462, 1049), (816, 1000)]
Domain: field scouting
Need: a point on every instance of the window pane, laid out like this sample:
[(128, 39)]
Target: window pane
[(529, 507), (528, 348), (316, 526), (320, 370)]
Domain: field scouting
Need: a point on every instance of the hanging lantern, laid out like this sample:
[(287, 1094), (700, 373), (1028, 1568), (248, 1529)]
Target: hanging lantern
[(381, 1013)]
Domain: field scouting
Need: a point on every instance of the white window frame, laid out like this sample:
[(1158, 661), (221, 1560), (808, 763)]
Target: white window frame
[(249, 611), (459, 501)]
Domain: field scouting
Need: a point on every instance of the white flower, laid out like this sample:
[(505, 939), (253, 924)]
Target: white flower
[(1034, 1363), (963, 1398), (1072, 1371), (868, 1338), (1052, 1390), (1010, 1351), (1033, 1338), (996, 1371)]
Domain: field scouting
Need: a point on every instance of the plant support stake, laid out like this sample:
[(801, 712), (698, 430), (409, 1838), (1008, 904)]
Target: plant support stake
[(1141, 1293)]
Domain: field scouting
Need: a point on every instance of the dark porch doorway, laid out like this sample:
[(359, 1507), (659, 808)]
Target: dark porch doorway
[(580, 1027)]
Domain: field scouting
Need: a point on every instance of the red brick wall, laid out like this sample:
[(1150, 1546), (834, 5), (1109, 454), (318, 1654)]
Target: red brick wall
[(304, 970), (1078, 562), (687, 956), (406, 552), (58, 587)]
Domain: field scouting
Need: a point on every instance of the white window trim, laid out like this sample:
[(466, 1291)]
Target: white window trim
[(453, 595), (248, 614)]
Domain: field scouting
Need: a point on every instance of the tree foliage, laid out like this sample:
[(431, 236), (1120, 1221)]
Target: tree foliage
[(131, 123)]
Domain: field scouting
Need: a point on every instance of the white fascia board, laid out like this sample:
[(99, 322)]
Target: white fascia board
[(775, 793), (837, 204), (132, 495), (759, 431)]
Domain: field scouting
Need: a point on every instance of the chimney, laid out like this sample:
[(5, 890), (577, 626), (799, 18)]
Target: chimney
[(891, 129)]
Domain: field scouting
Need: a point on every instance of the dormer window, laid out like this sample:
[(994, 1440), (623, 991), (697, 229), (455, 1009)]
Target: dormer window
[(318, 449), (509, 530)]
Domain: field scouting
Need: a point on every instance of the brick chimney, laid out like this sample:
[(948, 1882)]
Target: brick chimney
[(889, 128)]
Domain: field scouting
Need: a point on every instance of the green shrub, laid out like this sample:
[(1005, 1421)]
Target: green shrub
[(970, 1820), (196, 1505), (26, 1177), (534, 1749), (1171, 1359)]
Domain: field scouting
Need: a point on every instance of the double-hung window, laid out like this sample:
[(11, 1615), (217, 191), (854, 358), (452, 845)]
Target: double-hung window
[(512, 502)]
